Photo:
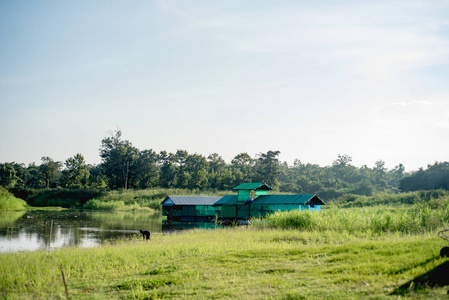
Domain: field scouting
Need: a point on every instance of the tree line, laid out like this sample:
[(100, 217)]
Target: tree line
[(123, 166)]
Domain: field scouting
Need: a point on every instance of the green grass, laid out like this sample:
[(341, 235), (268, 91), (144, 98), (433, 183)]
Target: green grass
[(243, 263), (9, 202), (419, 218), (371, 252)]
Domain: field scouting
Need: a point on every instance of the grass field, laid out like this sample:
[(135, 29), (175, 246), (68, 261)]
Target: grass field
[(243, 263)]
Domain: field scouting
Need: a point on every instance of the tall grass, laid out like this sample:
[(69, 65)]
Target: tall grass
[(422, 217), (9, 202)]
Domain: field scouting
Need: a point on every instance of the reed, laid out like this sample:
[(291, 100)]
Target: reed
[(419, 218)]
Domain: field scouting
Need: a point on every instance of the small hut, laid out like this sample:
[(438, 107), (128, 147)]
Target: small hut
[(252, 200), (190, 208)]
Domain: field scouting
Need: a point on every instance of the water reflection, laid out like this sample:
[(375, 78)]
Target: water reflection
[(9, 218), (34, 230), (174, 226)]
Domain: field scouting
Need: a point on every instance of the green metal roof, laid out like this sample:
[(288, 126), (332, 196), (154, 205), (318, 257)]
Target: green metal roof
[(253, 186), (227, 200), (273, 200), (288, 199), (233, 200)]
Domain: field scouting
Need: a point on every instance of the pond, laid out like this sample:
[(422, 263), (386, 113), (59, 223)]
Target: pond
[(36, 230)]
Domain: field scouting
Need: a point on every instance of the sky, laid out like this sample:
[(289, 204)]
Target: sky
[(311, 79)]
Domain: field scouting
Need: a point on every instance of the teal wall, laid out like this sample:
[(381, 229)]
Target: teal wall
[(310, 207), (191, 210), (261, 192), (243, 195), (265, 209), (228, 211), (235, 211)]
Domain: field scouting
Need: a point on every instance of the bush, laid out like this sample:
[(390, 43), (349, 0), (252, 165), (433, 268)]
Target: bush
[(63, 197)]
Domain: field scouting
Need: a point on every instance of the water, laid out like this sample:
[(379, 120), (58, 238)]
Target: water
[(48, 230)]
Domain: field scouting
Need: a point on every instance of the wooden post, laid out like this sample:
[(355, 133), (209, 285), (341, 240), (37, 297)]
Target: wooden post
[(51, 231), (65, 283)]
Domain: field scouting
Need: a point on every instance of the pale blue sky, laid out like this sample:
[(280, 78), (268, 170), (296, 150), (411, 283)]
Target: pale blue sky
[(312, 79)]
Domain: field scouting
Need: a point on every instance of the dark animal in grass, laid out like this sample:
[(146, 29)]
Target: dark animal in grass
[(146, 234)]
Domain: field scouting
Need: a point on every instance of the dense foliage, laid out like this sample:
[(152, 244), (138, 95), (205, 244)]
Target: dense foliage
[(436, 176), (123, 166), (66, 198)]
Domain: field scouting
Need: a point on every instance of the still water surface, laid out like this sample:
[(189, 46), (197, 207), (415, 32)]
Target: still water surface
[(35, 230)]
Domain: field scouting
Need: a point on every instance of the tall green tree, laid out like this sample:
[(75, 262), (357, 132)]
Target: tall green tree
[(147, 174), (268, 168), (8, 176), (50, 170), (96, 178), (380, 173), (196, 166), (182, 176), (76, 174), (216, 163), (22, 174), (242, 166), (223, 180), (396, 175), (344, 170), (167, 169), (118, 160), (36, 179)]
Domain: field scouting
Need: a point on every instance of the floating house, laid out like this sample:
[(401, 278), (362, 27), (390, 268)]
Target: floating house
[(190, 208), (252, 200)]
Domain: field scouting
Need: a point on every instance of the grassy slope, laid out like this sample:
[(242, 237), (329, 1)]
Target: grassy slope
[(9, 202), (230, 263)]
